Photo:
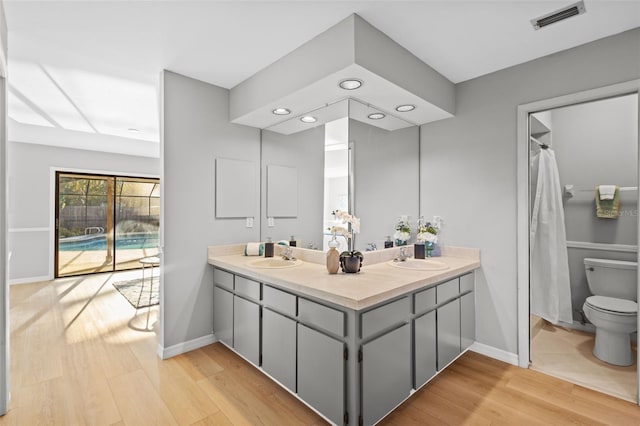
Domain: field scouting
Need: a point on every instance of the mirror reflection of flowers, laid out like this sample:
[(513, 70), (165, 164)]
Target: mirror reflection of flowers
[(427, 232), (403, 231), (353, 226)]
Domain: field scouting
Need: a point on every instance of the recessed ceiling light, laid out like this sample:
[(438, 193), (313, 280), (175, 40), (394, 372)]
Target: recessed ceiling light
[(281, 111), (308, 119), (405, 108), (350, 83), (376, 116)]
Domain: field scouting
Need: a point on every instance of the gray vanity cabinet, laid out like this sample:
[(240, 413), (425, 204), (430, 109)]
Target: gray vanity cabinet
[(386, 373), (425, 348), (321, 368), (448, 319), (425, 342), (246, 329), (467, 312), (223, 306), (223, 315), (279, 347)]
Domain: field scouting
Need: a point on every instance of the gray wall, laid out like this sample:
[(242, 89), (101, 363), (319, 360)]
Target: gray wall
[(468, 167), (196, 131), (30, 198), (597, 143), (386, 174), (305, 152)]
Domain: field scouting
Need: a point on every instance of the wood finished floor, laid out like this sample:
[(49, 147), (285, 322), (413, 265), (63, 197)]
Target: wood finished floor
[(77, 358)]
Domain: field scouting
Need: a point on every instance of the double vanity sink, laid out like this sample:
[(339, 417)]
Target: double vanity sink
[(351, 346)]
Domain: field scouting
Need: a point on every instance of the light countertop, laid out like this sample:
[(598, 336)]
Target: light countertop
[(376, 282)]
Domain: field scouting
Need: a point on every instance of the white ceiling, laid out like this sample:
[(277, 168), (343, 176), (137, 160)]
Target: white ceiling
[(94, 66)]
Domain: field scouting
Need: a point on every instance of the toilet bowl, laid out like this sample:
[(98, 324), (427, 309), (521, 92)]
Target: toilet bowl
[(612, 309)]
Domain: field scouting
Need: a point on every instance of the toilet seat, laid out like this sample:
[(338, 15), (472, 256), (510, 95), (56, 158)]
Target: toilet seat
[(613, 305)]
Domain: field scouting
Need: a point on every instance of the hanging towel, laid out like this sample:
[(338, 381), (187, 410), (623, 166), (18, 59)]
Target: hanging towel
[(608, 208), (607, 192), (253, 249)]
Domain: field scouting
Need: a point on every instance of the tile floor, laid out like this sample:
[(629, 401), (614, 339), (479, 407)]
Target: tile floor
[(566, 354)]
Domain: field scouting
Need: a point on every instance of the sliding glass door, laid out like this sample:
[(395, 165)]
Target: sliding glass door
[(104, 223)]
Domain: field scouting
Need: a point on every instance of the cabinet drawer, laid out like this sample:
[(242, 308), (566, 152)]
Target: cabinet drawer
[(385, 317), (466, 283), (279, 300), (425, 300), (444, 291), (321, 316), (247, 287), (223, 279)]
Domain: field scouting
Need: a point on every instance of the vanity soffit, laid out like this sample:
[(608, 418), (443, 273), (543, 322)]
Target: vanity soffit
[(307, 79)]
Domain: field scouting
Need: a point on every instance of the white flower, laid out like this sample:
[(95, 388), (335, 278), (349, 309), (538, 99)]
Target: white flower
[(345, 217), (401, 236), (427, 237), (355, 224)]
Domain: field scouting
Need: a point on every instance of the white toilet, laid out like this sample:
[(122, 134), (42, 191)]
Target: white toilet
[(612, 309)]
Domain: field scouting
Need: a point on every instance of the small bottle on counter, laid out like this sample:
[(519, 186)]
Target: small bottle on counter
[(293, 242), (333, 258), (388, 243), (268, 247), (419, 250)]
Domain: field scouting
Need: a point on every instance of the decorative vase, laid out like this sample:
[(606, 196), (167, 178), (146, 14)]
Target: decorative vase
[(351, 261), (401, 243), (333, 258), (429, 247)]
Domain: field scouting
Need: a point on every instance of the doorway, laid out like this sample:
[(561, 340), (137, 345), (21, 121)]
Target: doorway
[(530, 327), (104, 223), (575, 151)]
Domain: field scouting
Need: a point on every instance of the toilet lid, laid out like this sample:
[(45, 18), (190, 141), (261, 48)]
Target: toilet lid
[(613, 304)]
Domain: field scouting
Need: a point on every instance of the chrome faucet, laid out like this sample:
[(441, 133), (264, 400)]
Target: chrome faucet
[(402, 256), (371, 247), (287, 254)]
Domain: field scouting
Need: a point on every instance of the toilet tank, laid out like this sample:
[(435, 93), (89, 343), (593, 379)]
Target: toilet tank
[(612, 278)]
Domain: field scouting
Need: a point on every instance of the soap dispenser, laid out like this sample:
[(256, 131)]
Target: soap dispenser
[(293, 242), (388, 243), (268, 247)]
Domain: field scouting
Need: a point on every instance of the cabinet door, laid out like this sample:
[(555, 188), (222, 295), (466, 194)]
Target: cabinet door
[(246, 329), (467, 320), (223, 315), (448, 333), (279, 348), (321, 380), (386, 373), (425, 348)]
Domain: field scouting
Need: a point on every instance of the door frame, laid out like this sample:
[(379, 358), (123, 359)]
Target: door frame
[(523, 200), (53, 182)]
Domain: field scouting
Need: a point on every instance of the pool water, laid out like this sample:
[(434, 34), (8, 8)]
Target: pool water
[(99, 242)]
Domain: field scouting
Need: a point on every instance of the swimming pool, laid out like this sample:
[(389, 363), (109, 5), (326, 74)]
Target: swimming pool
[(99, 242)]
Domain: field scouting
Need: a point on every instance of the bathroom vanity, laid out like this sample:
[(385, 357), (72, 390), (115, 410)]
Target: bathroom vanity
[(351, 346)]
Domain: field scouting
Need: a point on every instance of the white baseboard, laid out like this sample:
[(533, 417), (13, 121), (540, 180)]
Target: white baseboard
[(30, 280), (491, 352), (187, 346)]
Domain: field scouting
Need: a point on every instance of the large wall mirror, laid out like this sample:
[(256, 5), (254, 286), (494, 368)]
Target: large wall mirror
[(349, 156)]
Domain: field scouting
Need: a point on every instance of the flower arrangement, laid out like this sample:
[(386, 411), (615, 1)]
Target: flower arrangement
[(350, 261), (427, 232), (403, 231), (353, 226)]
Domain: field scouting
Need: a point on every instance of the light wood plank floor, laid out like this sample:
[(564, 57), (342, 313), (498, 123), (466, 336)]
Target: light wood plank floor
[(78, 358)]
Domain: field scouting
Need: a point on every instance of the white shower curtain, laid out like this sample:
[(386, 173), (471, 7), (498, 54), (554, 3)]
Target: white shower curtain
[(550, 285)]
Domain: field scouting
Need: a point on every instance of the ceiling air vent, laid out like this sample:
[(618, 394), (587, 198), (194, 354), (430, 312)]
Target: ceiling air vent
[(559, 15)]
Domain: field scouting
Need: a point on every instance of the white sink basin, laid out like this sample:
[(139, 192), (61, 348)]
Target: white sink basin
[(274, 263), (420, 264)]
